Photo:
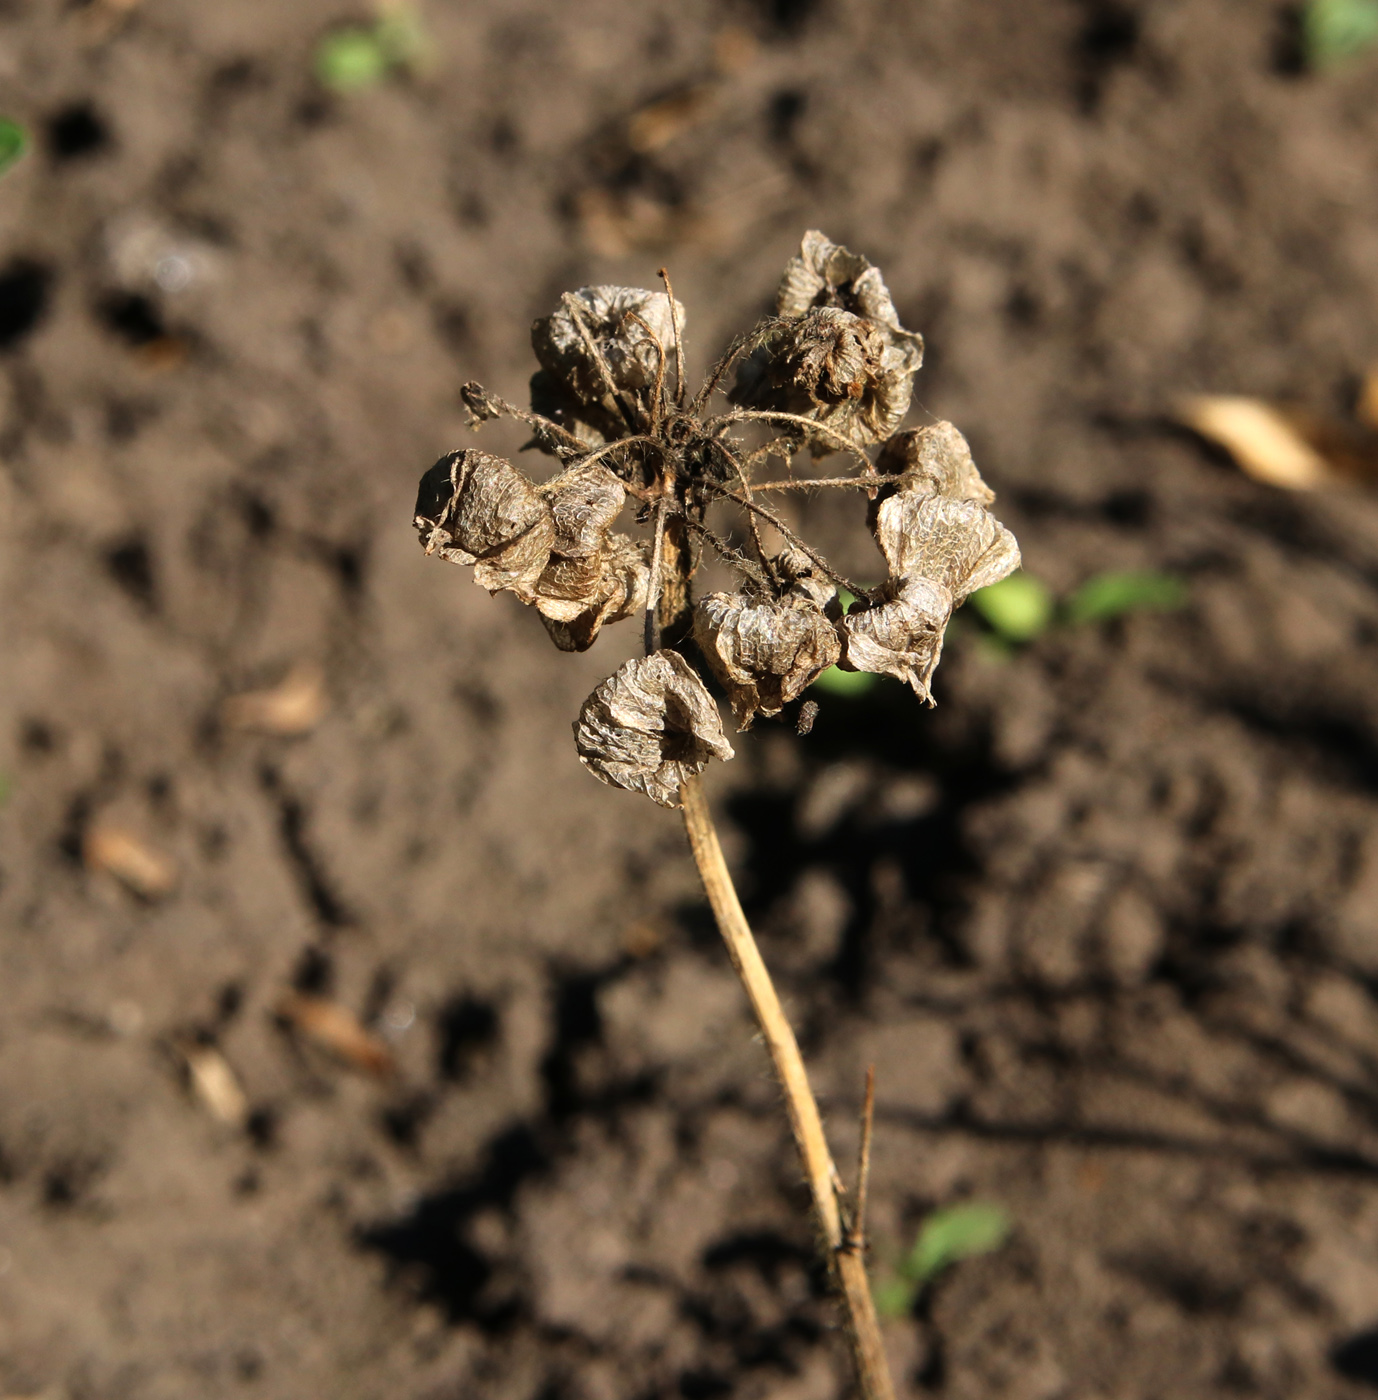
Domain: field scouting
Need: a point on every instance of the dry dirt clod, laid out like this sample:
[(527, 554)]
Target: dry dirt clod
[(138, 866), (649, 726), (338, 1031), (296, 705)]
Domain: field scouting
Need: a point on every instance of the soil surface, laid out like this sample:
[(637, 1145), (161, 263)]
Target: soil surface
[(1105, 921)]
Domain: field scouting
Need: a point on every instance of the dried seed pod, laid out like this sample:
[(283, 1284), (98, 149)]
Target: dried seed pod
[(956, 543), (826, 274), (473, 508), (834, 367), (901, 633), (765, 652), (937, 460), (619, 591), (649, 726), (807, 581), (584, 501), (633, 352), (594, 576)]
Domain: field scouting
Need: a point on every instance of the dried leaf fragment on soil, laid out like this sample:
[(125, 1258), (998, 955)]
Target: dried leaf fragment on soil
[(649, 726), (214, 1082), (296, 705), (1261, 438), (135, 864), (339, 1031)]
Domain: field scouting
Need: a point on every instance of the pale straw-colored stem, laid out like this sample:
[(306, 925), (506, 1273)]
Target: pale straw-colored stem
[(846, 1260)]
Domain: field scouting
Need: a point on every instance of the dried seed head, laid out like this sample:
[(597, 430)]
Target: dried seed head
[(604, 316), (807, 581), (941, 544), (764, 652), (473, 508), (826, 274), (901, 633), (649, 726), (937, 460), (584, 501)]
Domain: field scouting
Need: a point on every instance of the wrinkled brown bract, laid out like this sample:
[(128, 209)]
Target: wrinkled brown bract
[(765, 652), (840, 355), (476, 509), (901, 633), (935, 459), (649, 726), (631, 350)]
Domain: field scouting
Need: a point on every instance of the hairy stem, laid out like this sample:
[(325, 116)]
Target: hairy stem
[(846, 1260)]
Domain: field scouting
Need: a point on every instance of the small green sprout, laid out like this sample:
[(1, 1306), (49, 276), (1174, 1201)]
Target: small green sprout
[(1017, 609), (836, 681), (1114, 594), (946, 1237), (14, 141), (1334, 30), (361, 56)]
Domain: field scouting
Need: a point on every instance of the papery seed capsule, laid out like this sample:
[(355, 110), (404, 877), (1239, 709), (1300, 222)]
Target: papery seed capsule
[(617, 591), (765, 652), (649, 726), (958, 544), (901, 633), (937, 460), (634, 350), (826, 274), (473, 508)]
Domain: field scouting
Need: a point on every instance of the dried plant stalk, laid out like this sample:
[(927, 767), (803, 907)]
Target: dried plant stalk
[(846, 1257), (831, 372)]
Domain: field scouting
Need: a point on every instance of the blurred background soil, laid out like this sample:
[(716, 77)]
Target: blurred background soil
[(1106, 920)]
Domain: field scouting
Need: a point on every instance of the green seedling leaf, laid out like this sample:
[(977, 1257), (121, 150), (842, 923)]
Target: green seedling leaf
[(400, 36), (959, 1232), (1017, 608), (350, 60), (835, 681), (14, 141), (1114, 594), (1334, 30), (894, 1297)]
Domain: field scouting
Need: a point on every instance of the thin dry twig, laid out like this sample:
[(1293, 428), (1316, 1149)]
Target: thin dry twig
[(799, 544), (856, 1229), (848, 1265), (679, 342)]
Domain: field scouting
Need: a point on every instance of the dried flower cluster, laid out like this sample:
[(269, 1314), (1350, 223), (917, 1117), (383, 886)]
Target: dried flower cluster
[(832, 371)]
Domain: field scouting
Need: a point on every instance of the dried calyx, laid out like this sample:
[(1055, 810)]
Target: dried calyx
[(832, 370), (837, 353)]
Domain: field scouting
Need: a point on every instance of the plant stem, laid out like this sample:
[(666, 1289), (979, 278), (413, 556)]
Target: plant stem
[(846, 1265)]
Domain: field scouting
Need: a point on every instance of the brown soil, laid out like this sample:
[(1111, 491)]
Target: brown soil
[(1106, 921)]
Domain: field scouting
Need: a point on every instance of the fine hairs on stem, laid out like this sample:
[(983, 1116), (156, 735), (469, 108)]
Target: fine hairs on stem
[(831, 373)]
